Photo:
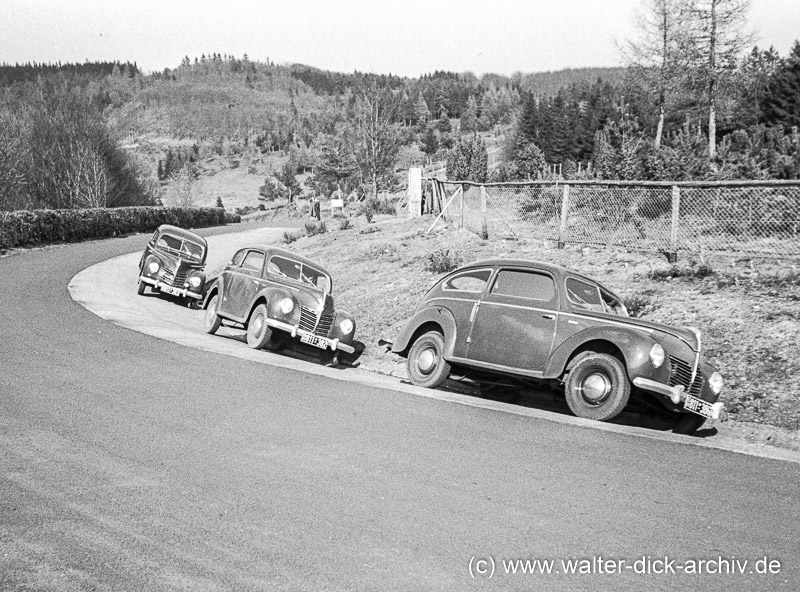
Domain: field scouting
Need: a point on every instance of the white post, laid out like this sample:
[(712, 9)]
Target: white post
[(414, 192)]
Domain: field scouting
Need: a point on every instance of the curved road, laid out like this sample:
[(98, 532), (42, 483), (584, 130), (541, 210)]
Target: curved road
[(134, 463)]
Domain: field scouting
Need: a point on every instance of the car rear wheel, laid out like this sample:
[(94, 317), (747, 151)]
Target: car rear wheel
[(259, 333), (211, 320), (597, 387), (140, 288), (426, 365)]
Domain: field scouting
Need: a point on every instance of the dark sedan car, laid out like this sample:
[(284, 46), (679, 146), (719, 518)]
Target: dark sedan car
[(545, 322), (173, 262), (277, 295)]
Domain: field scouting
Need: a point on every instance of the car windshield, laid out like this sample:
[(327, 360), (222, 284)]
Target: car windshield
[(300, 272), (591, 296), (182, 247)]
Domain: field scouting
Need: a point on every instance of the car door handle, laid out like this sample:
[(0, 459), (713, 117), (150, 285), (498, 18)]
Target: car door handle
[(548, 316)]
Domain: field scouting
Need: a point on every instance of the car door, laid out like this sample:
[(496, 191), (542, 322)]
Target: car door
[(242, 282), (515, 323), (460, 294)]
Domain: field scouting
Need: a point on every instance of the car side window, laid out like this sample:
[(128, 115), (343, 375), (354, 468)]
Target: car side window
[(253, 261), (524, 284), (584, 294), (473, 280)]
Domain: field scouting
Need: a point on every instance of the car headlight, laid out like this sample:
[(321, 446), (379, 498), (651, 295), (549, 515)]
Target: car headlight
[(286, 305), (716, 382), (195, 281), (657, 355), (346, 327), (153, 266)]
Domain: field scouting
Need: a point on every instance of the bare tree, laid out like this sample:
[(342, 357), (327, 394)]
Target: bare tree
[(655, 57), (715, 43)]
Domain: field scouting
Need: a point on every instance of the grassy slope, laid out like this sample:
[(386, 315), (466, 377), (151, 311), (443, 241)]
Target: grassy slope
[(748, 311)]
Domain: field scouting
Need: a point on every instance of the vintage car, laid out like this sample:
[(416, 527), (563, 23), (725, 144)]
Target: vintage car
[(278, 295), (538, 321), (173, 262)]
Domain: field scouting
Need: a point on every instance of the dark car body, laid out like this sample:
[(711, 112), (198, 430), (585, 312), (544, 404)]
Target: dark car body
[(276, 295), (542, 321), (173, 263)]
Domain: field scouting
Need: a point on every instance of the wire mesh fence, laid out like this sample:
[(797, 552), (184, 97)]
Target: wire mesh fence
[(750, 218)]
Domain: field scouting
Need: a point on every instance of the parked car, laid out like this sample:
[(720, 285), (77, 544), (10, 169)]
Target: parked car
[(525, 319), (278, 295), (173, 262)]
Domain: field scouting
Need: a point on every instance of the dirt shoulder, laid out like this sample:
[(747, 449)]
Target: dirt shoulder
[(747, 309)]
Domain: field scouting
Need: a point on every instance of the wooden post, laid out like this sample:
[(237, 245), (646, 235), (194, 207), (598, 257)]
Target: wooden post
[(484, 226), (461, 221), (672, 256), (562, 229)]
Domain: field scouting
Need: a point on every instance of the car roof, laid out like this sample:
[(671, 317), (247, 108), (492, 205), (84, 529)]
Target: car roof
[(553, 268), (273, 250), (182, 233)]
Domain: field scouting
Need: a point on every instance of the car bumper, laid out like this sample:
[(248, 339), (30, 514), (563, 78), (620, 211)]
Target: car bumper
[(180, 292), (676, 394), (333, 344)]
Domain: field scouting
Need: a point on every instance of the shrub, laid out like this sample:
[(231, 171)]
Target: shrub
[(676, 271), (443, 261), (290, 237), (314, 227), (638, 304), (344, 224)]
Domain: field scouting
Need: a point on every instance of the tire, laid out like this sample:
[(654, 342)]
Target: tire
[(211, 320), (597, 387), (259, 333), (426, 365), (140, 289)]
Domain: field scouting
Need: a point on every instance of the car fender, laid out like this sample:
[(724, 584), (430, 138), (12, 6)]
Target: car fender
[(212, 287), (632, 343), (267, 296), (437, 315)]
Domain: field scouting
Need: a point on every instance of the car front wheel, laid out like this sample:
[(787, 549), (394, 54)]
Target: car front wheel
[(597, 387), (211, 320), (426, 365), (259, 334)]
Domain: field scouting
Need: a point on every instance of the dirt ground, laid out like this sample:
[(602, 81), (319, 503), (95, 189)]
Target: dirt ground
[(747, 309)]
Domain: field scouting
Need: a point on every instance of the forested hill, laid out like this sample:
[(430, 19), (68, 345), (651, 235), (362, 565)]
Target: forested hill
[(30, 71)]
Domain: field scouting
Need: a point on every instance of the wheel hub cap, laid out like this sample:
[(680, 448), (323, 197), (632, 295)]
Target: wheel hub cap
[(595, 388), (258, 324), (426, 361)]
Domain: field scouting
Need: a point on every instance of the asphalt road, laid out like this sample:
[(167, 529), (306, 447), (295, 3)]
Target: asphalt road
[(129, 462)]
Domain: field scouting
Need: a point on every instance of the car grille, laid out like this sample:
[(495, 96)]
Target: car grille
[(680, 373), (308, 322), (171, 279)]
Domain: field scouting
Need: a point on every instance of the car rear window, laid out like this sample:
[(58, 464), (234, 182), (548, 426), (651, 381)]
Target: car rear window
[(473, 280), (524, 284)]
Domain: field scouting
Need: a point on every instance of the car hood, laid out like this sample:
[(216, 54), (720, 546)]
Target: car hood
[(688, 335), (312, 299)]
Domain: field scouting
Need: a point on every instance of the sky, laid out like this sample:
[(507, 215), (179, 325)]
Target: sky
[(407, 38)]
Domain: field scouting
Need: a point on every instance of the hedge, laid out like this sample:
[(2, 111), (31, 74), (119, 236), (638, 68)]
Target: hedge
[(34, 227)]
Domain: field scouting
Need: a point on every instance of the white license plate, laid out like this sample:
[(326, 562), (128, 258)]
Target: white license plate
[(170, 290), (698, 406), (314, 340)]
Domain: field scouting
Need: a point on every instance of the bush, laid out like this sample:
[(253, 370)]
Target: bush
[(33, 227), (314, 227), (638, 305), (290, 237), (344, 224), (443, 261), (676, 271)]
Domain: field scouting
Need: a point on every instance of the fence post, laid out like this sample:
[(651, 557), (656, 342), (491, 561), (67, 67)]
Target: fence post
[(461, 221), (562, 229), (672, 255), (484, 225)]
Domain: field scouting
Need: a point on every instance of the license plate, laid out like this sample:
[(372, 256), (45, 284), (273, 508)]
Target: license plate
[(169, 290), (698, 406), (314, 340)]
